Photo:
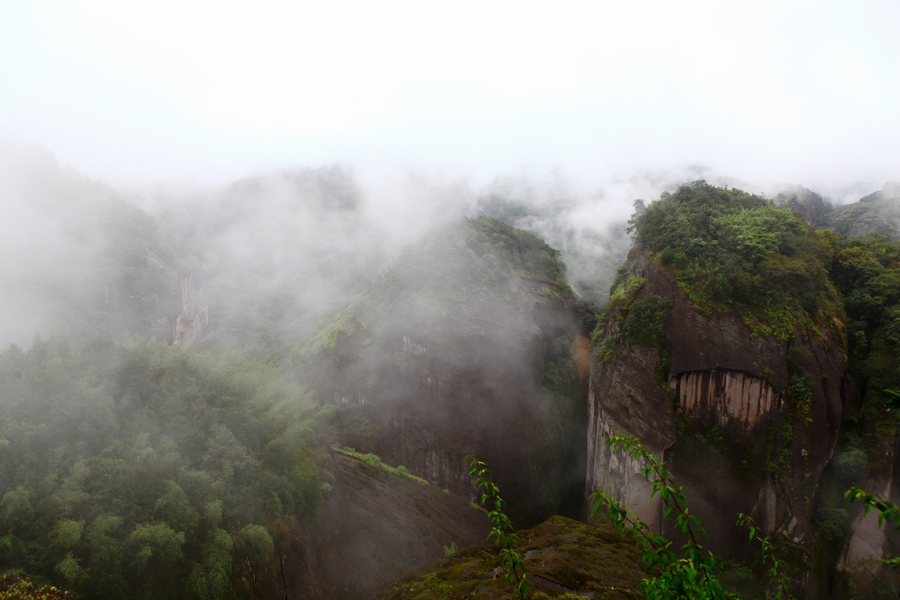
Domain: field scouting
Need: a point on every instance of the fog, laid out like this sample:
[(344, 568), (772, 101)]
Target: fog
[(222, 122), (202, 92), (273, 252), (283, 188)]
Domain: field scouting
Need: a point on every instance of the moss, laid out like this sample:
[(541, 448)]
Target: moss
[(564, 559), (343, 324), (374, 461)]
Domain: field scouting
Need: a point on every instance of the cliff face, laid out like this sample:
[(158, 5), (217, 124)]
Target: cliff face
[(376, 528), (167, 303), (726, 399), (465, 347), (724, 413)]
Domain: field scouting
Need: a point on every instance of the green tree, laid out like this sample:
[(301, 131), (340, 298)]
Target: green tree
[(501, 527)]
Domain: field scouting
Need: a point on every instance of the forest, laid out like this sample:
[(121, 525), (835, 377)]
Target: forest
[(141, 470)]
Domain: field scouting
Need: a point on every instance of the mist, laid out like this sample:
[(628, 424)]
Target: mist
[(279, 249), (250, 254)]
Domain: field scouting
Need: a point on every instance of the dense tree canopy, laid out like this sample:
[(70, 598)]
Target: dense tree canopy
[(149, 472), (734, 250)]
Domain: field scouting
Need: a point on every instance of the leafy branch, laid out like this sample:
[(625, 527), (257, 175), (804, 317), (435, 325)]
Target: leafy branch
[(767, 550), (690, 573), (501, 527), (887, 512)]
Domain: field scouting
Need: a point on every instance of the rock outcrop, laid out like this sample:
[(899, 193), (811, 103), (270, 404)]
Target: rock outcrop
[(168, 303), (877, 213), (465, 347), (563, 559), (723, 414), (376, 528)]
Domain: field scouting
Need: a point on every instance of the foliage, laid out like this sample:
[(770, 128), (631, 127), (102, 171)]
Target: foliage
[(373, 460), (888, 512), (867, 275), (767, 554), (639, 321), (691, 572), (14, 586), (445, 269), (146, 471), (566, 559), (866, 272), (735, 251), (645, 323), (501, 527)]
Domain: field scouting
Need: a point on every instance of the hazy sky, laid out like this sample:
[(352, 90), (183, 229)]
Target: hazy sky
[(185, 90)]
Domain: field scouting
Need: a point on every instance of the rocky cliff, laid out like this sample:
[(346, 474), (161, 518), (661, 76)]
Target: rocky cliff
[(168, 303), (465, 347), (746, 413), (722, 414), (877, 213)]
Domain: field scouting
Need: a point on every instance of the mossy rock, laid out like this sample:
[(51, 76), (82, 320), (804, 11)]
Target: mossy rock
[(564, 558)]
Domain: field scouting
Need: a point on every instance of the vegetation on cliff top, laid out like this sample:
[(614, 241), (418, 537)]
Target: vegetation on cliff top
[(564, 558), (732, 250), (451, 266)]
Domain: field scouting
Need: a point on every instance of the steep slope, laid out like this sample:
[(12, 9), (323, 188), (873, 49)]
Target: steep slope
[(280, 249), (723, 350), (867, 274), (466, 346), (375, 528)]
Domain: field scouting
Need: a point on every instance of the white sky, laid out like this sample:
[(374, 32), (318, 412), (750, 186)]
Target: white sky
[(185, 90)]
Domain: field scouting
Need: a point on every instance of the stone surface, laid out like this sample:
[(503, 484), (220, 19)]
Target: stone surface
[(376, 528), (721, 418), (457, 352)]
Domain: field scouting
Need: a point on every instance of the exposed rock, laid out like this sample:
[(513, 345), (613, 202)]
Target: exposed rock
[(721, 416), (377, 528), (866, 546), (877, 213), (806, 203), (465, 347), (168, 304), (726, 399)]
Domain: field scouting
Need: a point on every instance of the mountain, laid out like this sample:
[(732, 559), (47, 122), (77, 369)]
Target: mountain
[(470, 344), (81, 259), (878, 213), (754, 345), (752, 352)]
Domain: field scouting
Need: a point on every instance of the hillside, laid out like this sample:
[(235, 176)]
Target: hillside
[(878, 213)]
